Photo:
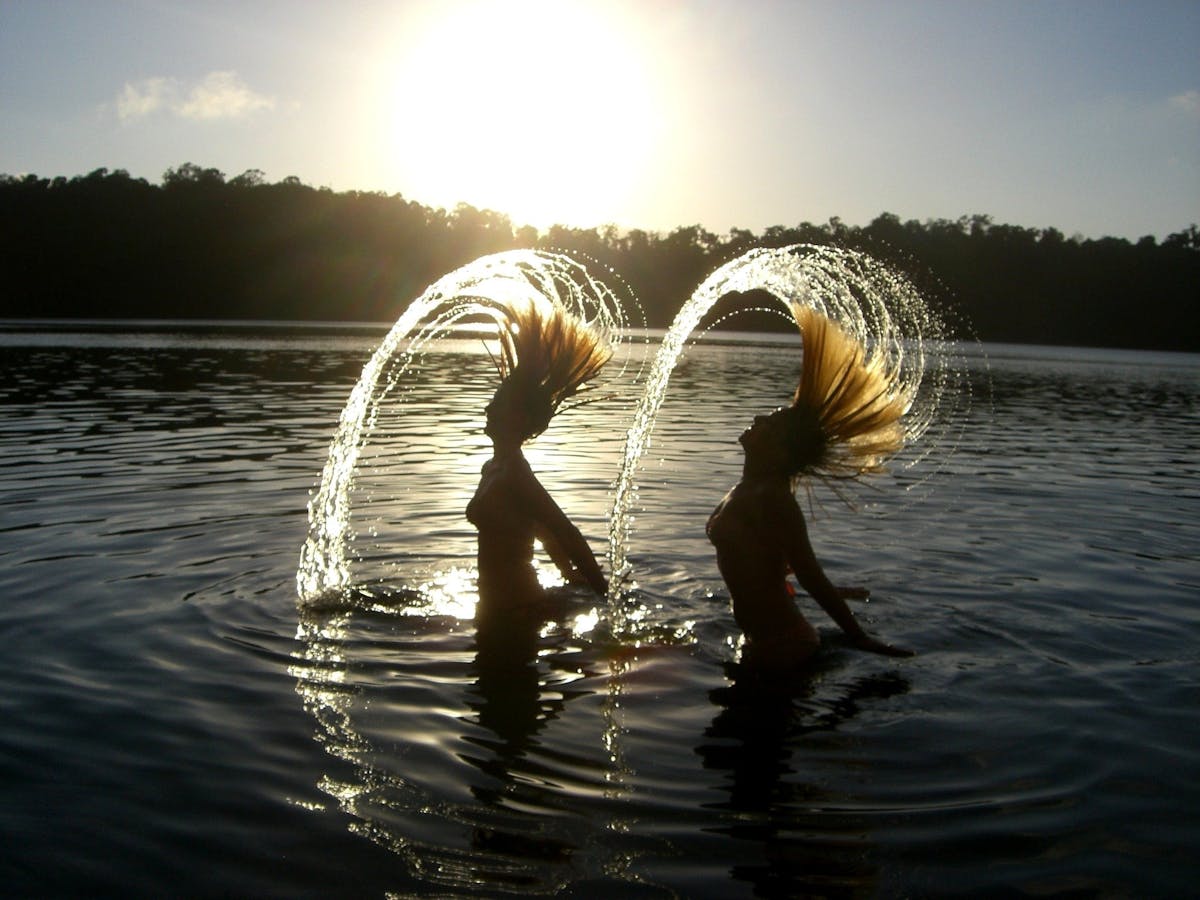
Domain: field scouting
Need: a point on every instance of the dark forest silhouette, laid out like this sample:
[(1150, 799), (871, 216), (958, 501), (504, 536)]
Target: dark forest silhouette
[(203, 246)]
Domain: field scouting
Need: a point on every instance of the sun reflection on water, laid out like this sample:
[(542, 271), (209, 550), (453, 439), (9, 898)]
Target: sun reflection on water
[(453, 593)]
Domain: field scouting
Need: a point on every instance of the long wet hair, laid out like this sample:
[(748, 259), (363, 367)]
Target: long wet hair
[(547, 355), (848, 405)]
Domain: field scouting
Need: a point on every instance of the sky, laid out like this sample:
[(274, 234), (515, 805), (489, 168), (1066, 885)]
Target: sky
[(1081, 115)]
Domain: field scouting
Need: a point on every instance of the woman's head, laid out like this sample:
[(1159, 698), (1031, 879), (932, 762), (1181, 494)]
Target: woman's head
[(788, 441), (518, 411), (547, 355), (844, 420)]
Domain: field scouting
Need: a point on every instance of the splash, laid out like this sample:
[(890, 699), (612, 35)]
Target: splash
[(874, 304), (479, 292)]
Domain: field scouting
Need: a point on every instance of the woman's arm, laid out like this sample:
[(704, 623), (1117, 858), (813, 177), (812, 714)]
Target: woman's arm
[(563, 542), (558, 554), (812, 578)]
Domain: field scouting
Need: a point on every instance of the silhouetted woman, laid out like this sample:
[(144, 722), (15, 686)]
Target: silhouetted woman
[(844, 421), (546, 356)]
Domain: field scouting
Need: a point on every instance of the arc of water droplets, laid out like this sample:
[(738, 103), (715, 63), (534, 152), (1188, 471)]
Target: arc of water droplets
[(880, 308), (484, 288)]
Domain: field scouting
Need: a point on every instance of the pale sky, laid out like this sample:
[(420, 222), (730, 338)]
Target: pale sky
[(1073, 114)]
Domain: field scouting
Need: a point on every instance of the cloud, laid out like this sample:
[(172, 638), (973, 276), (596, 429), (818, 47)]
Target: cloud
[(222, 95), (144, 98), (1188, 103), (218, 95)]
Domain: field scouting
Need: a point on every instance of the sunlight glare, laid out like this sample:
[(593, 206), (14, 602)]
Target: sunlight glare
[(451, 593), (585, 623), (543, 111)]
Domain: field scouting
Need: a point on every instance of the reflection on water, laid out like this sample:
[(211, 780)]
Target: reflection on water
[(405, 707), (152, 497), (808, 839)]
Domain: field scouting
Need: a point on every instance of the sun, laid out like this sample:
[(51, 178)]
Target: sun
[(544, 111)]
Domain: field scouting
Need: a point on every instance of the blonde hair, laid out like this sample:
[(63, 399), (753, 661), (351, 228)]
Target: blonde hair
[(547, 355), (848, 404)]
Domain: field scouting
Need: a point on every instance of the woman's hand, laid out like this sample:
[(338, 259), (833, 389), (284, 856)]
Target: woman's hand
[(852, 593), (871, 645)]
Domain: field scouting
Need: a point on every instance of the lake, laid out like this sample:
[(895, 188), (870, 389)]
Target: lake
[(174, 723)]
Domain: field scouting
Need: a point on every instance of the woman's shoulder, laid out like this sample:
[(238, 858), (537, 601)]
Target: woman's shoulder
[(505, 466), (755, 506)]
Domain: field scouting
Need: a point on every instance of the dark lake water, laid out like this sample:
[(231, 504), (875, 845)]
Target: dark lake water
[(171, 722)]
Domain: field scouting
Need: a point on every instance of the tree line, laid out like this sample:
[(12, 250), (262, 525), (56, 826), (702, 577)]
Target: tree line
[(200, 245)]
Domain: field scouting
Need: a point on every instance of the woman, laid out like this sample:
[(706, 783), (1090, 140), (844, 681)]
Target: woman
[(546, 356), (843, 422)]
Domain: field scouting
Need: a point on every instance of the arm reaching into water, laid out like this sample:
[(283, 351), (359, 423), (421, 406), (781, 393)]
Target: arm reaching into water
[(812, 578), (588, 572), (563, 542)]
